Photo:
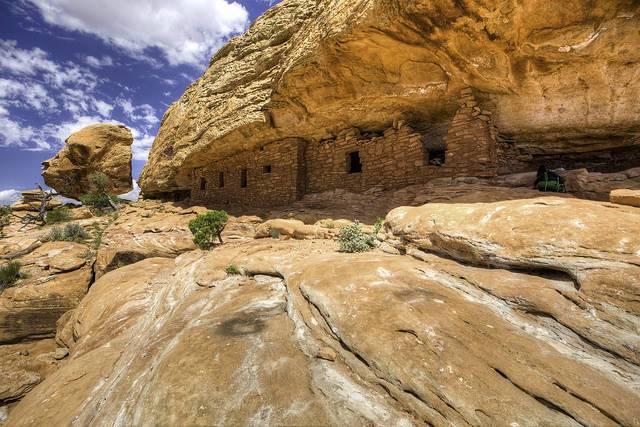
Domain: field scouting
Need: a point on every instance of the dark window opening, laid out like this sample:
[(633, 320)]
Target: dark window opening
[(266, 169), (203, 184), (354, 165), (221, 179), (437, 157), (243, 178)]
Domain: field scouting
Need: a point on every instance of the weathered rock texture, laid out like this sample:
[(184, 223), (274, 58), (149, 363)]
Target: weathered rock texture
[(97, 148), (626, 197), (548, 79), (311, 336), (58, 275)]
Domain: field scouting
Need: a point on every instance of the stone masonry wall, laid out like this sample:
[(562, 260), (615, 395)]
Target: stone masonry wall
[(471, 140), (392, 160), (274, 176), (397, 158)]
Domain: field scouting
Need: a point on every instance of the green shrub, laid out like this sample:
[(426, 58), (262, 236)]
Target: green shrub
[(99, 201), (58, 215), (232, 269), (99, 198), (353, 239), (275, 234), (378, 226), (207, 227), (9, 274), (73, 232), (5, 216)]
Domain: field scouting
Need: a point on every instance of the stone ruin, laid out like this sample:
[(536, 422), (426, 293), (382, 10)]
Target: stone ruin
[(282, 172)]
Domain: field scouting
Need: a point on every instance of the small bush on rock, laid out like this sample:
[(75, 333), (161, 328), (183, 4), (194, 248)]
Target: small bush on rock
[(58, 215), (9, 274), (232, 270), (353, 239), (70, 233), (207, 227)]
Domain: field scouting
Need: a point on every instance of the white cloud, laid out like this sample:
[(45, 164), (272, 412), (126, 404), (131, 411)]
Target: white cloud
[(13, 133), (8, 197), (145, 112), (25, 95), (132, 195), (186, 31), (105, 61), (142, 143)]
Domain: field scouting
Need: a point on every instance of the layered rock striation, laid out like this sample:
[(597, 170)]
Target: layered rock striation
[(556, 82)]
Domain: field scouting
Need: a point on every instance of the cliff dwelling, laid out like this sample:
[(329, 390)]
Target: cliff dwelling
[(282, 172)]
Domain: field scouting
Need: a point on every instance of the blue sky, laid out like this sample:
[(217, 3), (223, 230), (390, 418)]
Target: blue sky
[(65, 64)]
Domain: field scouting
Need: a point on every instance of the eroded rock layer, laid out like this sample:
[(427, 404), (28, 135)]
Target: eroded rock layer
[(552, 78), (306, 335)]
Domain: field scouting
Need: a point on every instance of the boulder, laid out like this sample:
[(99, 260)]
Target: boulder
[(291, 228), (553, 79), (101, 148), (145, 230), (626, 197), (597, 245)]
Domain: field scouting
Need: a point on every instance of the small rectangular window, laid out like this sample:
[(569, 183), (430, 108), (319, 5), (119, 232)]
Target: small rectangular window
[(354, 165), (203, 184), (437, 157), (266, 169), (221, 179), (243, 178)]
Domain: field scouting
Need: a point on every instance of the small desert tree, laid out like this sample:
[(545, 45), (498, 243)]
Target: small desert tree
[(207, 227), (99, 198)]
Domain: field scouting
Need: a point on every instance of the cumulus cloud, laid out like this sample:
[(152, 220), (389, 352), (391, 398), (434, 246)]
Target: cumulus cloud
[(25, 95), (8, 197), (105, 61), (145, 112), (142, 143), (185, 31)]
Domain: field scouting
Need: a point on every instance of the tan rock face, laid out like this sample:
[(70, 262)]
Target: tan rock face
[(626, 197), (596, 244), (556, 79), (308, 335), (96, 148), (57, 278)]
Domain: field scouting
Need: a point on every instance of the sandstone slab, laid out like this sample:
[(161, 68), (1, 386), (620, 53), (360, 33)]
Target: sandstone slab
[(626, 197), (311, 336), (57, 276)]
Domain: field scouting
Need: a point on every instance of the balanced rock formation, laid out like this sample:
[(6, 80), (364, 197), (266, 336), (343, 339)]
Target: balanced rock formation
[(537, 325), (552, 78), (102, 148)]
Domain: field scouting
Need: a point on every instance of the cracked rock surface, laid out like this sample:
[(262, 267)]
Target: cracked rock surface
[(474, 324)]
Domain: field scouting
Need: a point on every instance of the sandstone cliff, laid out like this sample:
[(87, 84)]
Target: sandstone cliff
[(96, 148), (557, 78)]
